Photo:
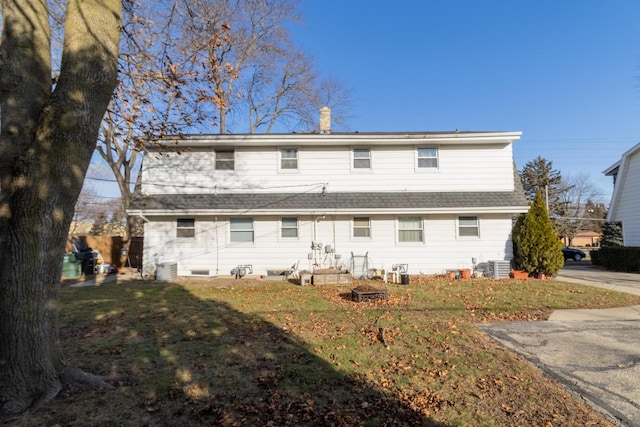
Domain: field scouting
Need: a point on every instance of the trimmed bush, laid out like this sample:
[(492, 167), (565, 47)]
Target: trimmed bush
[(537, 249), (620, 258)]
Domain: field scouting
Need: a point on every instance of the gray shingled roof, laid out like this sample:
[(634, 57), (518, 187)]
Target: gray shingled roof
[(329, 201)]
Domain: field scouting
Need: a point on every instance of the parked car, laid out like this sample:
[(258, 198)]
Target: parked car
[(572, 253)]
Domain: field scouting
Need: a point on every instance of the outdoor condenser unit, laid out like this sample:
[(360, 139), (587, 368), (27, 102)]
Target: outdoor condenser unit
[(167, 271), (500, 269)]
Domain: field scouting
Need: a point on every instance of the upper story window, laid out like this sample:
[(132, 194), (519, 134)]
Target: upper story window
[(361, 226), (289, 227), (361, 158), (289, 158), (241, 230), (427, 158), (468, 226), (225, 160), (186, 227), (410, 229)]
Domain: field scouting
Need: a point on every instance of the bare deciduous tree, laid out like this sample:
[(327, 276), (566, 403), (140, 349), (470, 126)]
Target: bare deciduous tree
[(48, 133), (153, 96), (577, 191), (248, 69)]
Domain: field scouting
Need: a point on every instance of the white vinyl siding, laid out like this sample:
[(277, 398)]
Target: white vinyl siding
[(289, 228), (410, 229), (427, 158), (185, 228), (393, 169), (288, 159), (361, 227), (468, 226), (212, 251), (361, 158), (241, 230)]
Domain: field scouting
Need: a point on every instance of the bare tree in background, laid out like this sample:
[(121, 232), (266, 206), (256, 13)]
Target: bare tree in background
[(249, 69), (576, 192), (48, 133), (86, 211)]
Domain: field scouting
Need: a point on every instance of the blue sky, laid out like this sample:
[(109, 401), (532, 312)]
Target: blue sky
[(565, 73)]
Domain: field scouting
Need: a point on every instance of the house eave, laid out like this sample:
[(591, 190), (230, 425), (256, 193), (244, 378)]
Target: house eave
[(262, 212), (336, 139)]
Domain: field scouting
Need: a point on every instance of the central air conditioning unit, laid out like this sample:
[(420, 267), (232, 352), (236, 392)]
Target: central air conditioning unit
[(167, 271), (501, 268)]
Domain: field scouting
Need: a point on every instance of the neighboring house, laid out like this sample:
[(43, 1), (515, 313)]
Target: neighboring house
[(584, 239), (625, 202), (432, 200)]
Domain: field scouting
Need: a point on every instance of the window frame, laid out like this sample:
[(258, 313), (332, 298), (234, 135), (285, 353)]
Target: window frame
[(236, 232), (354, 159), (181, 228), (355, 227), (400, 230), (282, 159), (460, 227), (218, 162), (435, 157), (283, 228)]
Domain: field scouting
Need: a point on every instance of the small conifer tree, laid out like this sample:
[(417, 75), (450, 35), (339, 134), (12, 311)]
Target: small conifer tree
[(537, 248)]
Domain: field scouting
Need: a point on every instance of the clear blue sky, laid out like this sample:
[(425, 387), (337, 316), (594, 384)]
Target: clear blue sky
[(565, 73)]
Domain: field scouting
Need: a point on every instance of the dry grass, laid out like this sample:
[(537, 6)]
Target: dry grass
[(249, 352)]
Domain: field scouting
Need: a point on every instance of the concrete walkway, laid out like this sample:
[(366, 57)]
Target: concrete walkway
[(594, 354)]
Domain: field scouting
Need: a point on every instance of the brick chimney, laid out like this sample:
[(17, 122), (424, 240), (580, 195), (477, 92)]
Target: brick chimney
[(325, 120)]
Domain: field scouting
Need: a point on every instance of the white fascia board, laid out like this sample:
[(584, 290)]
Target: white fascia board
[(239, 212), (372, 139)]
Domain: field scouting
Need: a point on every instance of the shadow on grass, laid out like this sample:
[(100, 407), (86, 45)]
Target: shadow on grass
[(186, 360)]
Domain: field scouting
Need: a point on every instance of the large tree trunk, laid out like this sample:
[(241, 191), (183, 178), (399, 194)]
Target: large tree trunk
[(46, 141)]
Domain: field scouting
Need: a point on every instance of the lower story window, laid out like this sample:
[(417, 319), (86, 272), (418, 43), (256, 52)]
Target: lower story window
[(241, 230), (410, 229), (361, 226), (289, 227), (468, 226), (186, 227)]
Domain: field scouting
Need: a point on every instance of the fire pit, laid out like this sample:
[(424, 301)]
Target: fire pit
[(368, 293)]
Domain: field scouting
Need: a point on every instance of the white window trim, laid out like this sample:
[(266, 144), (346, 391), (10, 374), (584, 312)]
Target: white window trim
[(215, 160), (280, 228), (186, 228), (353, 159), (288, 171), (424, 236), (353, 228), (458, 227), (417, 158), (253, 231)]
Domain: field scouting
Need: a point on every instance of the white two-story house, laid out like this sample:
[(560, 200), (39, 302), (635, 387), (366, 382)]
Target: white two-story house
[(432, 200)]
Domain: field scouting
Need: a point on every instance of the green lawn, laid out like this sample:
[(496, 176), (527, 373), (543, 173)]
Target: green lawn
[(272, 353)]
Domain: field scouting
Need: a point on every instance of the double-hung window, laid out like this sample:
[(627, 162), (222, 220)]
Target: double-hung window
[(361, 226), (361, 158), (468, 226), (185, 227), (410, 229), (241, 230), (427, 158), (289, 228), (288, 159), (225, 160)]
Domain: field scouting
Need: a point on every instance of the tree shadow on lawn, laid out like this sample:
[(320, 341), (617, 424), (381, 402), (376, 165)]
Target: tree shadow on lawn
[(186, 360)]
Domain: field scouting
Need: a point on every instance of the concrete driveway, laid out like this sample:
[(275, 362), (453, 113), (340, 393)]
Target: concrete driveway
[(594, 354)]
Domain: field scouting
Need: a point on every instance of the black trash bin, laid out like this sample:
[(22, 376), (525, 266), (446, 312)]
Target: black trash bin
[(404, 278)]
